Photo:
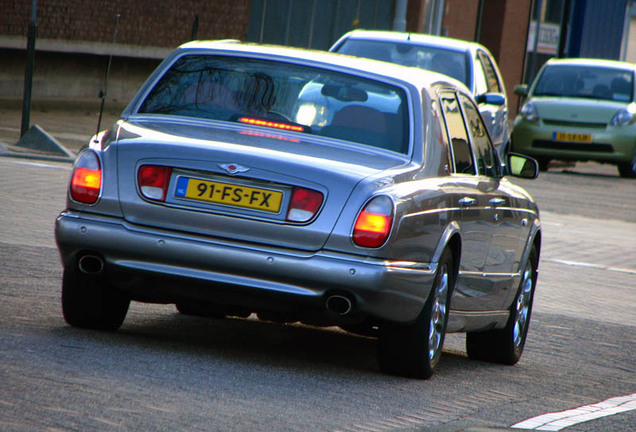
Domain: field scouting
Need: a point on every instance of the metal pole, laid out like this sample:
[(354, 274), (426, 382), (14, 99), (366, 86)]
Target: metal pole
[(535, 45), (28, 72), (480, 19), (195, 27), (431, 14), (439, 16), (399, 20)]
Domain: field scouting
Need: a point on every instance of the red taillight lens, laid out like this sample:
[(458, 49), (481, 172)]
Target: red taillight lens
[(153, 181), (374, 223), (304, 205), (86, 181)]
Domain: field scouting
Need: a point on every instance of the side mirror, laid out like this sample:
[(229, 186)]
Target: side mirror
[(521, 89), (521, 166), (491, 99)]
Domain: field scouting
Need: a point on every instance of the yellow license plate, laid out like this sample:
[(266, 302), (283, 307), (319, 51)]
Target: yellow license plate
[(572, 137), (229, 194)]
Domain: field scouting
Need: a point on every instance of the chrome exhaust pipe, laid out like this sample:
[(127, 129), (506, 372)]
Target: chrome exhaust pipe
[(90, 264), (339, 304)]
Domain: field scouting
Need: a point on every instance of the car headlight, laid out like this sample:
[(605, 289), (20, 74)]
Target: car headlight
[(529, 112), (624, 117)]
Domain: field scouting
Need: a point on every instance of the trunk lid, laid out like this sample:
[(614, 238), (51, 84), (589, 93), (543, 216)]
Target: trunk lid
[(249, 165)]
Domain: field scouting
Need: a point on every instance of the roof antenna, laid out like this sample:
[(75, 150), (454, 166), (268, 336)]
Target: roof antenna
[(102, 93)]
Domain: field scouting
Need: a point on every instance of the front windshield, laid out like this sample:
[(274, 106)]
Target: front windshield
[(283, 96), (444, 61), (586, 82)]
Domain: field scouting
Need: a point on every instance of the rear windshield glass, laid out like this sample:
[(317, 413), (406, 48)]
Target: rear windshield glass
[(451, 63), (283, 96), (586, 82)]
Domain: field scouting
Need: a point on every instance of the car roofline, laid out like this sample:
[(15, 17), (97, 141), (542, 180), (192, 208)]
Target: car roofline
[(592, 62), (419, 78), (448, 43)]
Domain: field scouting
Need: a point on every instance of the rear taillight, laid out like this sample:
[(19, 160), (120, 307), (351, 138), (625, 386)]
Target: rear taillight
[(86, 180), (153, 181), (374, 223), (304, 205)]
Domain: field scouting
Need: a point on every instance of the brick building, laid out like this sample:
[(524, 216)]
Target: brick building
[(75, 38)]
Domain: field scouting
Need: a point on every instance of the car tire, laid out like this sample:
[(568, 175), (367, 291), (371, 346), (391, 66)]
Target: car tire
[(627, 169), (505, 346), (91, 302), (414, 351)]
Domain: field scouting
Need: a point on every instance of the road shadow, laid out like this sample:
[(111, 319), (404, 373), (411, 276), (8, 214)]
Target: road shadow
[(584, 169), (249, 343)]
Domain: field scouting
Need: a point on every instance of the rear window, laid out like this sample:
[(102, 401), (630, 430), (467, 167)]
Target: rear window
[(283, 96), (444, 61), (586, 82)]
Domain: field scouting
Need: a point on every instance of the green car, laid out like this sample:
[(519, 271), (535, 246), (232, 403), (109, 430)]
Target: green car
[(580, 110)]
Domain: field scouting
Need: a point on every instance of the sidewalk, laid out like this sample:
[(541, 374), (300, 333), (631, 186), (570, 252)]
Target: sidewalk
[(72, 122)]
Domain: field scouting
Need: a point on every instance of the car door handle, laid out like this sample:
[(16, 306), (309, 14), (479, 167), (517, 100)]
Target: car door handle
[(497, 201), (467, 202)]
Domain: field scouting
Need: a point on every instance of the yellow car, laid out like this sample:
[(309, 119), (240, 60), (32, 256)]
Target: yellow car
[(580, 110)]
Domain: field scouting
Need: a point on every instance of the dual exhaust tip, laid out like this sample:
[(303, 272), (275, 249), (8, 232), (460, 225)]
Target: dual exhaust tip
[(90, 264), (339, 304), (336, 303)]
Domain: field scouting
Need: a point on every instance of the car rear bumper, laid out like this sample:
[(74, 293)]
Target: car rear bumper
[(164, 266), (609, 144)]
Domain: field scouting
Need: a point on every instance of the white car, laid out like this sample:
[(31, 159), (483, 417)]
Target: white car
[(467, 62)]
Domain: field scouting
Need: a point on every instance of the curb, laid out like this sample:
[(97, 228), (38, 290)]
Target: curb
[(35, 157), (5, 152)]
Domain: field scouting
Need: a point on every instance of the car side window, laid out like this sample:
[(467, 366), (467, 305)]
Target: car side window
[(481, 85), (484, 150), (460, 146), (492, 81)]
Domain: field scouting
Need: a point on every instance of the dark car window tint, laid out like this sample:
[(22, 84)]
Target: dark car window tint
[(489, 71), (485, 153), (444, 61), (585, 82), (460, 146), (285, 96)]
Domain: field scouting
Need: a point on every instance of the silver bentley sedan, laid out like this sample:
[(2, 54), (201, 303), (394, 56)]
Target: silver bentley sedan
[(300, 186)]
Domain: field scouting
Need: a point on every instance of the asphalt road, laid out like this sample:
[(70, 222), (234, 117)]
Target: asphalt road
[(165, 371)]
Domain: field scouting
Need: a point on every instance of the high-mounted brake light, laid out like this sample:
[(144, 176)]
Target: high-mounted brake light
[(374, 223), (153, 181), (304, 205), (86, 180), (272, 124)]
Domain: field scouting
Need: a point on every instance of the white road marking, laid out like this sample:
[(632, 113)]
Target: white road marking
[(590, 265), (561, 420), (37, 164), (577, 264)]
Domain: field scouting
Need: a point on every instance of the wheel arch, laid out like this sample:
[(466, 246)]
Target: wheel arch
[(451, 238), (534, 239), (537, 244)]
